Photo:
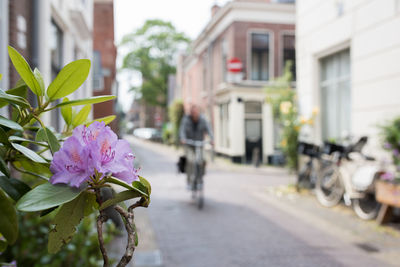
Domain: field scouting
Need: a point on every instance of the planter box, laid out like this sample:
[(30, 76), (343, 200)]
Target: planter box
[(388, 193)]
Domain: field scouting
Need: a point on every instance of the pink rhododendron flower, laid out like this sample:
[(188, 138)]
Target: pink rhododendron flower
[(90, 149)]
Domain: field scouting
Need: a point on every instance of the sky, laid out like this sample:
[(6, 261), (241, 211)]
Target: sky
[(188, 16)]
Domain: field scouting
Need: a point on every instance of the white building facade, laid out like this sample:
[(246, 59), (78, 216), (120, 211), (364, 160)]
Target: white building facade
[(348, 65)]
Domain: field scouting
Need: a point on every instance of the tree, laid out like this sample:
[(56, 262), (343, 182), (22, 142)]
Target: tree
[(151, 51)]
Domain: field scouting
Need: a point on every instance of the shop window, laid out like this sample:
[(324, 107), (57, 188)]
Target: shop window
[(260, 67), (253, 108), (335, 95)]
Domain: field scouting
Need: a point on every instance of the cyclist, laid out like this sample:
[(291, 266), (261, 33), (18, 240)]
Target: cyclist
[(193, 127)]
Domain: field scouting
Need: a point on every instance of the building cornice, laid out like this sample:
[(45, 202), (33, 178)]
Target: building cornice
[(240, 11)]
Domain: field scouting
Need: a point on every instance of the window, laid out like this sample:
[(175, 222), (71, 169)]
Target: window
[(98, 79), (253, 108), (335, 95), (56, 47), (289, 54), (260, 56)]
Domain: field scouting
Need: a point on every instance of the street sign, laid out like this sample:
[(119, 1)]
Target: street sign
[(235, 65)]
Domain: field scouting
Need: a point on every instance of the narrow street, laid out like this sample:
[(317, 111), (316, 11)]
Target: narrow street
[(239, 226)]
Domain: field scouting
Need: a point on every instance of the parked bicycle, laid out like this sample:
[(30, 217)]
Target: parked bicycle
[(195, 170), (351, 176), (307, 175)]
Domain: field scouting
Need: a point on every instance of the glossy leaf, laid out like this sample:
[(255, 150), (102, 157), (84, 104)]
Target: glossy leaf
[(8, 219), (10, 124), (66, 112), (85, 101), (46, 196), (3, 137), (66, 221), (106, 120), (145, 183), (14, 187), (69, 79), (14, 139), (39, 79), (122, 196), (82, 116), (50, 138), (4, 168), (24, 70), (20, 91), (141, 188), (17, 100), (119, 182), (30, 154)]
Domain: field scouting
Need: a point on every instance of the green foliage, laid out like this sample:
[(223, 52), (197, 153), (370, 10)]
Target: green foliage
[(283, 100), (47, 196), (26, 148), (68, 217), (70, 78), (31, 246), (8, 219), (175, 114), (391, 142), (151, 51)]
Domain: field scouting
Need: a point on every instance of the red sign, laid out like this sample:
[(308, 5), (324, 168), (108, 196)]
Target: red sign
[(235, 65)]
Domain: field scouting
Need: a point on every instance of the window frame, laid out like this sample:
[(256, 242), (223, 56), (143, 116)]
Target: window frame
[(271, 54)]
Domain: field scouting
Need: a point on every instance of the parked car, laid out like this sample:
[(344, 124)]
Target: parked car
[(148, 134)]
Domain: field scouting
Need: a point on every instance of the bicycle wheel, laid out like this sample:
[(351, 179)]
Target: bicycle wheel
[(329, 187), (366, 208)]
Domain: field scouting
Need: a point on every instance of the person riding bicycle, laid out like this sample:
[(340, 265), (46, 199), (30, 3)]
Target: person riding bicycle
[(193, 127)]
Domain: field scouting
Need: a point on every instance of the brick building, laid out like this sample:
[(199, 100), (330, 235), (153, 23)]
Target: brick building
[(261, 34), (49, 34), (105, 54)]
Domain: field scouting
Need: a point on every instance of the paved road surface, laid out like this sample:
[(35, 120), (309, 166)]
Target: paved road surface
[(237, 227)]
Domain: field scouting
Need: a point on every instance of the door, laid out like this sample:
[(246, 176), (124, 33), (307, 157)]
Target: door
[(253, 132)]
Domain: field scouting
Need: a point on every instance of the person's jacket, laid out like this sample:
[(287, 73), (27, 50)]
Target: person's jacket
[(194, 131)]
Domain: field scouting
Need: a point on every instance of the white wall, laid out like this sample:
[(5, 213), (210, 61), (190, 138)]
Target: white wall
[(370, 28)]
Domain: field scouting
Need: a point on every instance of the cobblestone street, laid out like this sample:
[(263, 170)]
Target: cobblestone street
[(248, 221)]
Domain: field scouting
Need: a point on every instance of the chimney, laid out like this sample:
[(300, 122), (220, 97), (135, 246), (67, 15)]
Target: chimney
[(214, 10)]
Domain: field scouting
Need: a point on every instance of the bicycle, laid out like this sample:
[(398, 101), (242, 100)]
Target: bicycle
[(307, 175), (351, 177), (195, 170)]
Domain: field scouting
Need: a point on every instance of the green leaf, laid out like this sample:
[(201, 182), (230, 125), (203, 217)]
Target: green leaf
[(10, 124), (17, 91), (21, 139), (119, 182), (122, 196), (70, 78), (30, 154), (3, 167), (17, 100), (66, 112), (85, 101), (66, 221), (8, 219), (106, 120), (141, 188), (14, 187), (50, 138), (146, 184), (81, 116), (39, 79), (3, 137), (47, 196), (24, 70)]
